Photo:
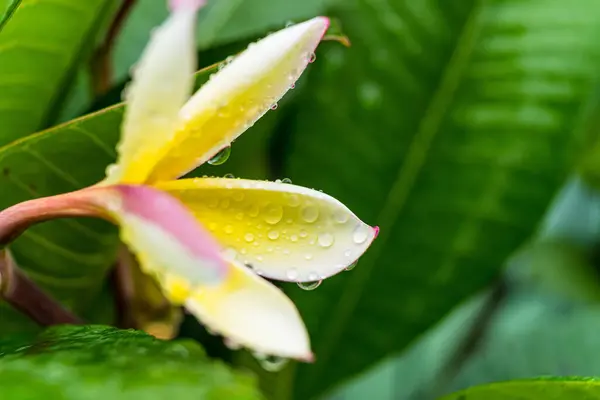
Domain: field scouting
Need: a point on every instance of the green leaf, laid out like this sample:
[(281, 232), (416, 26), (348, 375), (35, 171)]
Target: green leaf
[(221, 22), (547, 389), (41, 45), (450, 125), (97, 362)]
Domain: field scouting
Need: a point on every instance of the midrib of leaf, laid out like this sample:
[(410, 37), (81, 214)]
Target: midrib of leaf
[(9, 12), (401, 188)]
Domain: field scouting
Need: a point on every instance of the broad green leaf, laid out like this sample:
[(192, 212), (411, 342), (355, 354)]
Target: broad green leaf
[(222, 21), (41, 46), (547, 389), (533, 335), (450, 125), (97, 362)]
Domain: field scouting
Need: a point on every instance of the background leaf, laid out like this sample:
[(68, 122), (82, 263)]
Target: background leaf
[(97, 362), (41, 47), (565, 388), (220, 22), (450, 125)]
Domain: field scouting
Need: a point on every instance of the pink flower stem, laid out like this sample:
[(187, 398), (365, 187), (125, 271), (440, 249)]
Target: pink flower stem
[(15, 287), (24, 295)]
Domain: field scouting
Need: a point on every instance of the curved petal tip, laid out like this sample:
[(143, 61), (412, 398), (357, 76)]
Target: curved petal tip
[(376, 230)]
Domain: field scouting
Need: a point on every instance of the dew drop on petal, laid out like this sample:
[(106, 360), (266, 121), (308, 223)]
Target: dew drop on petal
[(228, 229), (238, 196), (309, 285), (292, 274), (310, 214), (254, 211), (308, 256), (248, 237), (312, 57), (340, 217), (228, 176), (351, 266), (360, 234), (294, 200), (286, 180), (274, 106), (231, 344), (273, 214), (270, 363), (273, 234), (325, 239), (221, 156), (294, 238), (303, 233), (225, 204)]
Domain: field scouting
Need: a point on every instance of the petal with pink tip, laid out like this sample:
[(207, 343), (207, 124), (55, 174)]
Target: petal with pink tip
[(286, 232), (238, 95), (165, 236), (162, 82), (252, 313)]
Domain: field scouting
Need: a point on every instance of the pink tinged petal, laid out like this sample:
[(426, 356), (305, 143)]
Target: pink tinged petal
[(253, 313), (286, 232), (238, 95), (165, 237), (162, 82)]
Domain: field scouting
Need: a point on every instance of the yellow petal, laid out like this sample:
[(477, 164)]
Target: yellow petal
[(283, 231), (252, 313), (238, 95), (162, 82)]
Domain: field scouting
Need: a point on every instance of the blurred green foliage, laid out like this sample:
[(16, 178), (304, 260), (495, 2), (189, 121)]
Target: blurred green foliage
[(451, 125)]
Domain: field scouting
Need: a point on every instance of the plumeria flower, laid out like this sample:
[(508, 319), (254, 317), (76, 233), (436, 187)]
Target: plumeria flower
[(208, 242)]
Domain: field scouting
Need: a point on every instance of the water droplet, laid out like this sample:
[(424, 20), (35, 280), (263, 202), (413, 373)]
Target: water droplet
[(239, 216), (303, 233), (294, 200), (228, 229), (238, 196), (293, 86), (254, 211), (309, 285), (243, 251), (225, 204), (213, 203), (228, 176), (286, 180), (351, 266), (270, 363), (248, 237), (289, 23), (292, 274), (325, 239), (259, 258), (308, 256), (310, 214), (273, 234), (232, 344), (312, 57), (286, 251), (221, 156), (111, 169), (274, 106), (341, 217), (273, 214), (294, 238), (348, 253), (361, 233)]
